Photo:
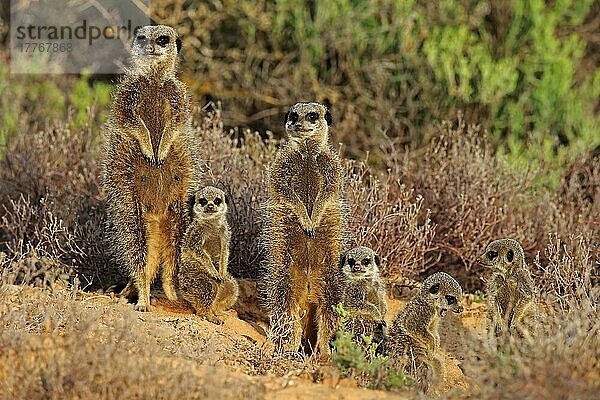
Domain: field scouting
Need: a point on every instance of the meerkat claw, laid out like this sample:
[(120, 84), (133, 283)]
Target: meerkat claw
[(141, 308), (311, 233), (150, 160)]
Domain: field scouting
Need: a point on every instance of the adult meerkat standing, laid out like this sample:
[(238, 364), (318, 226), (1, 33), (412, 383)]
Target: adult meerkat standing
[(304, 232), (148, 168), (203, 278), (510, 290), (364, 294), (414, 333)]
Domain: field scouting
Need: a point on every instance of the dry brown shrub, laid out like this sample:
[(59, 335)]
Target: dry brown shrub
[(39, 247), (430, 210), (472, 197), (578, 198), (560, 363), (570, 270), (51, 202), (387, 216)]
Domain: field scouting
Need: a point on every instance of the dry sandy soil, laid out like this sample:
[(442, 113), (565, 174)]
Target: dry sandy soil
[(229, 361)]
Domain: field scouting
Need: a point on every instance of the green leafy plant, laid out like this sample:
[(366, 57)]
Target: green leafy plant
[(357, 357), (479, 296)]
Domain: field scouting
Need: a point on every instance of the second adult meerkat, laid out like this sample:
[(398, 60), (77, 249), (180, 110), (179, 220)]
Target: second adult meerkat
[(304, 232), (512, 305), (203, 278), (148, 166), (414, 333), (364, 294)]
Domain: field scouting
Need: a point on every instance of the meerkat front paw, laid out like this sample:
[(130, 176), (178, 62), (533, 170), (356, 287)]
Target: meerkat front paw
[(142, 307), (309, 229), (210, 317), (149, 158), (162, 155), (217, 278)]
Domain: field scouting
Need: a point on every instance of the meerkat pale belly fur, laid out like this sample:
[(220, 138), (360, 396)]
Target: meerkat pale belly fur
[(304, 232), (364, 294), (149, 167), (414, 333), (512, 306), (203, 278)]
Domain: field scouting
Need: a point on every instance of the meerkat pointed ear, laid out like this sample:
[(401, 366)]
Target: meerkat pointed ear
[(510, 255), (328, 118), (434, 289), (377, 260), (178, 44), (285, 117)]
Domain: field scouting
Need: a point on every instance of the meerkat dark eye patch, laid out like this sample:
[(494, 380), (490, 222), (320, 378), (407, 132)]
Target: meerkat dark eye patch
[(328, 118), (218, 201), (351, 261), (510, 255), (366, 261), (292, 117), (434, 289), (492, 255), (163, 40), (312, 117), (450, 299), (203, 201), (142, 40)]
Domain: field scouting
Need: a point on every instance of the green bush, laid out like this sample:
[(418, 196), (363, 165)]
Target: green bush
[(396, 69), (361, 361), (34, 103)]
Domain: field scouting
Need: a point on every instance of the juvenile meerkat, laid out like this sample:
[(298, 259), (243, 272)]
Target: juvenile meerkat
[(304, 232), (148, 167), (364, 294), (203, 278), (414, 333), (512, 305)]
